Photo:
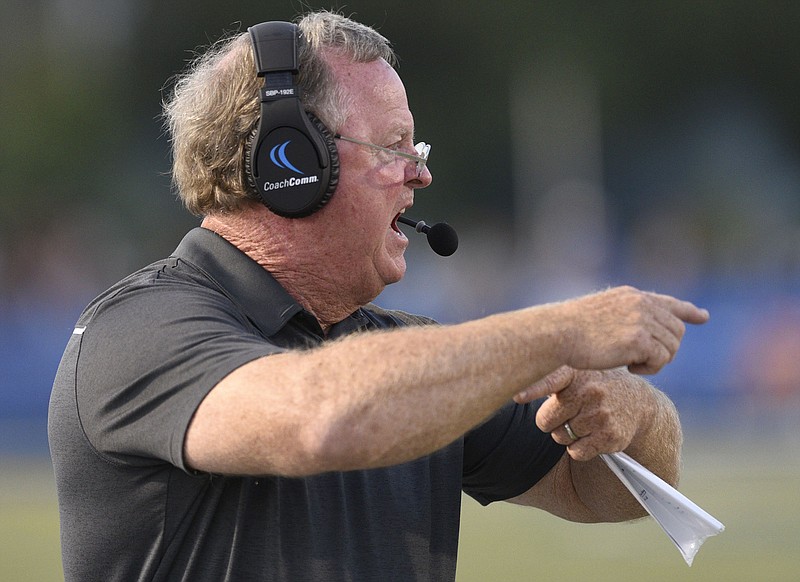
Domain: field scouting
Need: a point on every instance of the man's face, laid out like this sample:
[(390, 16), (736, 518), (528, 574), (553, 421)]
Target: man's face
[(374, 186)]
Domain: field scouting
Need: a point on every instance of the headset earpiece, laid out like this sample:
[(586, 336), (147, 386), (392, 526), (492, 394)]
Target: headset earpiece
[(333, 152), (291, 160)]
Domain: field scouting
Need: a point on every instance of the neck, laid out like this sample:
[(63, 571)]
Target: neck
[(307, 271)]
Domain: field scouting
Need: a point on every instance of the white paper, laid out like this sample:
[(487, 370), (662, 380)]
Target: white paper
[(686, 524)]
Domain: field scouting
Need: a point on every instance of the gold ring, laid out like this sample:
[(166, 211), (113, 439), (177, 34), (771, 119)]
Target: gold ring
[(570, 433)]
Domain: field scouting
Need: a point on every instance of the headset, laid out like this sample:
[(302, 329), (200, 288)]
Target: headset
[(291, 160)]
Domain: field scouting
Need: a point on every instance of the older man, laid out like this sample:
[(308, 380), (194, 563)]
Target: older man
[(242, 411)]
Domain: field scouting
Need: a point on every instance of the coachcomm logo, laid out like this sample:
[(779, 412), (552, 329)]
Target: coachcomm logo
[(282, 162), (278, 156)]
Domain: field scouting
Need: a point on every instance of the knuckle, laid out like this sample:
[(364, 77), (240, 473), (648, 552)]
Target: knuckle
[(639, 338), (544, 420), (561, 439), (603, 416), (641, 302), (593, 392)]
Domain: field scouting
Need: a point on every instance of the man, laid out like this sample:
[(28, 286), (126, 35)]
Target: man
[(241, 411)]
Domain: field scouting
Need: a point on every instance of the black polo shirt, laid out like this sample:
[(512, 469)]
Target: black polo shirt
[(142, 357)]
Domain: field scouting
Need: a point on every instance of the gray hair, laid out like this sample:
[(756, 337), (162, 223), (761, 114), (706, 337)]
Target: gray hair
[(214, 105)]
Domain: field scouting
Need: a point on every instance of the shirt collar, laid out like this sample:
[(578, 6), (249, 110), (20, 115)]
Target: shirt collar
[(244, 281)]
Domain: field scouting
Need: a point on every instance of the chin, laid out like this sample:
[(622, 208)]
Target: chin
[(396, 272)]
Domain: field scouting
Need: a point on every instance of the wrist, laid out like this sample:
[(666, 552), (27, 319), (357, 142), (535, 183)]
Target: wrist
[(556, 334)]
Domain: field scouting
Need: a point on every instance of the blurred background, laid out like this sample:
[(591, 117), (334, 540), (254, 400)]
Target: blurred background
[(576, 145)]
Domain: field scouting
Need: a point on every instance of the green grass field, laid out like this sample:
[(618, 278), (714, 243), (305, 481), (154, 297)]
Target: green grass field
[(754, 489)]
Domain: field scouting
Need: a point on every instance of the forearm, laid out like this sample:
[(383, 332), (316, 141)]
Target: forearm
[(383, 398), (659, 447), (369, 400)]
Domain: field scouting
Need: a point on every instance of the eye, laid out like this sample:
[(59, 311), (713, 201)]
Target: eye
[(396, 146), (405, 143)]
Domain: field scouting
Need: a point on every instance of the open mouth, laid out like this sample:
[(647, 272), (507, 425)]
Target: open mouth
[(395, 226)]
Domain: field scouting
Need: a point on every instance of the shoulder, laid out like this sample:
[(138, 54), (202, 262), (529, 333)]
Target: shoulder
[(169, 286), (163, 309)]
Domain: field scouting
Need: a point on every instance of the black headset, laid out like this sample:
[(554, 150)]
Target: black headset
[(291, 160)]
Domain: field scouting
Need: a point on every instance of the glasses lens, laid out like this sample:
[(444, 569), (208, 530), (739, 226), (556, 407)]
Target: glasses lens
[(423, 151)]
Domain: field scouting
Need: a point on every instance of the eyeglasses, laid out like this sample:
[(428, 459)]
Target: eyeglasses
[(423, 151)]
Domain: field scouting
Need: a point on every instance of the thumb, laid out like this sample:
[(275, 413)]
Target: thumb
[(554, 382)]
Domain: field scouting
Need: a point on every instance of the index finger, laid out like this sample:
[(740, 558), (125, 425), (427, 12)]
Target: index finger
[(684, 310), (554, 382)]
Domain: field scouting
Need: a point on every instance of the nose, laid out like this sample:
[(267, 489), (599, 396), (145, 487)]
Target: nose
[(422, 181)]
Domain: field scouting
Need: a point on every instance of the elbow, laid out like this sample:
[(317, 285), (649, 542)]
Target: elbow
[(313, 455), (349, 443), (327, 448)]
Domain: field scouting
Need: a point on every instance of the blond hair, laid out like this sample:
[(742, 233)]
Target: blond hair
[(214, 106)]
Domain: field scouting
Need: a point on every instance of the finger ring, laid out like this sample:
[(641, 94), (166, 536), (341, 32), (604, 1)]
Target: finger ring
[(570, 433)]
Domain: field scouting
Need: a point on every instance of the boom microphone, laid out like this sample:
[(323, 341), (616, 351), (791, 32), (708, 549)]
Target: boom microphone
[(442, 237)]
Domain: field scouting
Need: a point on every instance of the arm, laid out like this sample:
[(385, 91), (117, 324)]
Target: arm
[(379, 399), (609, 411)]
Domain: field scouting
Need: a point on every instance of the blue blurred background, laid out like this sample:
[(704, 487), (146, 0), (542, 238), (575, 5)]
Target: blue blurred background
[(576, 145)]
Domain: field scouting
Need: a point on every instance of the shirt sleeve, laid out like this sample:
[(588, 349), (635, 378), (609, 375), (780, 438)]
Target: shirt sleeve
[(508, 454), (149, 355)]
